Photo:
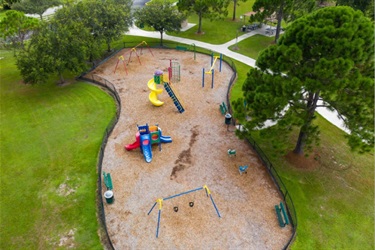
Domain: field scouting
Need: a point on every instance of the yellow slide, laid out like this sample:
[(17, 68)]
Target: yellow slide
[(153, 97)]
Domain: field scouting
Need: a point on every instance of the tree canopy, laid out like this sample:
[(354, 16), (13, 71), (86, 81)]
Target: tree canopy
[(56, 47), (161, 15), (366, 6), (35, 6), (72, 37), (212, 9), (15, 26), (327, 56)]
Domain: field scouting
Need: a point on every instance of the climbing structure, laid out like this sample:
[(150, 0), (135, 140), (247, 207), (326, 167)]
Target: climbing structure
[(173, 94)]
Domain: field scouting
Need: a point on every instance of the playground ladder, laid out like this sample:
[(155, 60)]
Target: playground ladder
[(174, 97)]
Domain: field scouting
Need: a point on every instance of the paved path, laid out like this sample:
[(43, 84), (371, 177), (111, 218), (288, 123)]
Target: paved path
[(331, 116), (221, 48)]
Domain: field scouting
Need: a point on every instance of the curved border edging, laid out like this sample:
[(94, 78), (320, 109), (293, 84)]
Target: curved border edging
[(109, 88)]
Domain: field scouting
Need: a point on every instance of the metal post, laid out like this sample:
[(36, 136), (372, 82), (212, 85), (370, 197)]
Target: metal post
[(203, 78), (212, 82), (152, 208), (221, 59), (157, 228), (217, 211)]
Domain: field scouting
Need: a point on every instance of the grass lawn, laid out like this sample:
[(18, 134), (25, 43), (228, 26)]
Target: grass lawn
[(218, 31), (252, 46), (334, 200), (50, 139)]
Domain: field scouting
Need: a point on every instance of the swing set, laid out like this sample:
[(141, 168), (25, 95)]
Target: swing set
[(132, 50), (191, 204)]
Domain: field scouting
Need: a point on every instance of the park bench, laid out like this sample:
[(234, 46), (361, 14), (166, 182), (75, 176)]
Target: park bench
[(231, 152), (223, 108), (108, 180), (178, 47), (282, 215)]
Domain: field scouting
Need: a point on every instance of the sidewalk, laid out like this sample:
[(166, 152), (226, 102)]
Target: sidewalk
[(331, 116), (221, 48)]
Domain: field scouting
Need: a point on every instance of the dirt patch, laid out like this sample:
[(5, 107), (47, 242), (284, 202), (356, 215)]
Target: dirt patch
[(301, 161), (196, 157)]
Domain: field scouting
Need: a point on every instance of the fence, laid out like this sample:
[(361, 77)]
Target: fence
[(112, 90), (108, 86)]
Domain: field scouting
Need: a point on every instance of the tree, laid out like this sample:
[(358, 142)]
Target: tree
[(35, 6), (212, 9), (112, 19), (366, 6), (7, 4), (15, 26), (55, 48), (106, 20), (327, 56), (161, 15), (284, 9)]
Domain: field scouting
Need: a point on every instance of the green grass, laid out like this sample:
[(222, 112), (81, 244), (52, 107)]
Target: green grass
[(334, 201), (218, 31), (253, 45), (50, 138)]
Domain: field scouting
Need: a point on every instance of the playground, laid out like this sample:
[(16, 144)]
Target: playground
[(187, 192)]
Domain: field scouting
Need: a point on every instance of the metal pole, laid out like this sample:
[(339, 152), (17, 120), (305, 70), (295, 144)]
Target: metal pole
[(190, 191), (217, 211), (221, 59), (203, 78), (157, 228), (152, 208), (212, 82)]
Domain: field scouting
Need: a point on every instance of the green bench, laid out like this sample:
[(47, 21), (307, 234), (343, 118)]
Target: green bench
[(223, 108), (108, 180), (282, 215), (178, 47)]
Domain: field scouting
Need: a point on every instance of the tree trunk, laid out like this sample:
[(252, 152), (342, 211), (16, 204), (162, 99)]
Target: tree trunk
[(303, 134), (234, 9), (279, 19), (300, 142), (200, 23), (108, 46), (62, 80), (161, 38)]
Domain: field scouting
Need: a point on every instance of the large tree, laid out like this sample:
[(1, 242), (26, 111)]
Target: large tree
[(58, 46), (15, 26), (106, 20), (326, 56), (35, 6), (111, 18), (161, 15), (212, 9), (286, 10)]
